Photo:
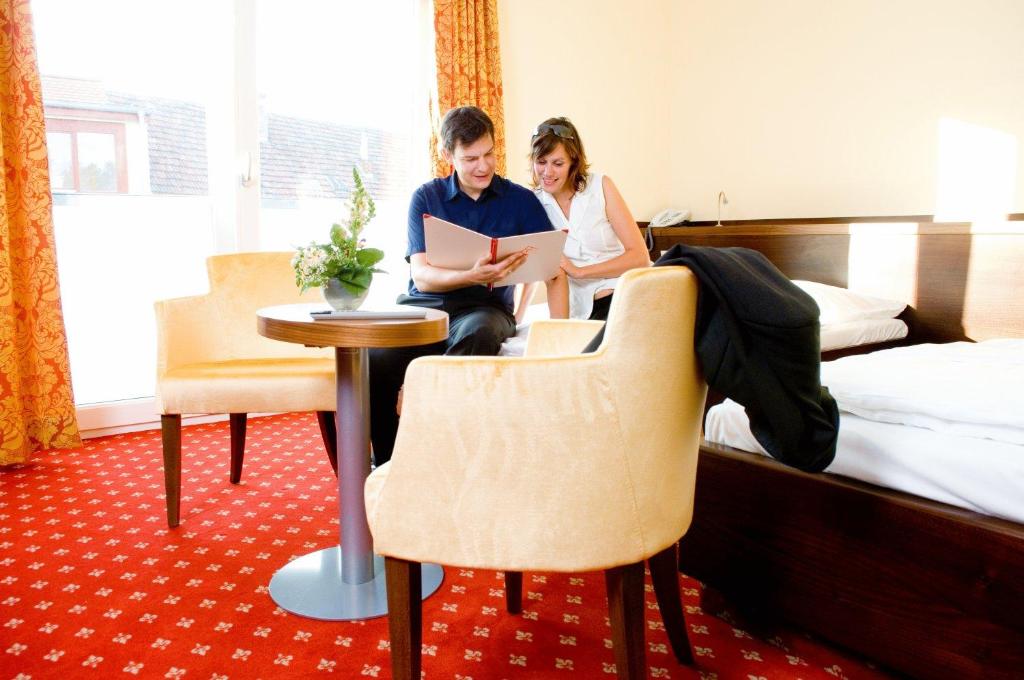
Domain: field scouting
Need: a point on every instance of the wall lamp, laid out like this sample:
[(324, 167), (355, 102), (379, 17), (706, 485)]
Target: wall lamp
[(722, 200)]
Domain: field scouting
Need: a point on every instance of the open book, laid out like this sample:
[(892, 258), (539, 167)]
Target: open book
[(454, 247)]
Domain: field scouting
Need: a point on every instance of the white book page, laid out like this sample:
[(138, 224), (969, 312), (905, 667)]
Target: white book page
[(542, 262), (451, 246)]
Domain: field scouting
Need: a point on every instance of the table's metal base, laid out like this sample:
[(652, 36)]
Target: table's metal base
[(311, 586)]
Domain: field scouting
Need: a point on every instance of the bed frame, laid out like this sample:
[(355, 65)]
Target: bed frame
[(921, 587)]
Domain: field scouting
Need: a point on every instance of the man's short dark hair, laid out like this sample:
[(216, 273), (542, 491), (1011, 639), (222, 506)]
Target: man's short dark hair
[(464, 125)]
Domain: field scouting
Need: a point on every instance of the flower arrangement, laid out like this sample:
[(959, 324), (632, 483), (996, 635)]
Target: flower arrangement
[(345, 259)]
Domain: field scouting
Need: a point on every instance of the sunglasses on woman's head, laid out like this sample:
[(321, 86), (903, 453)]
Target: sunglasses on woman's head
[(558, 130)]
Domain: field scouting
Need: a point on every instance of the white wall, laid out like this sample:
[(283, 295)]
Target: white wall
[(602, 63), (795, 108)]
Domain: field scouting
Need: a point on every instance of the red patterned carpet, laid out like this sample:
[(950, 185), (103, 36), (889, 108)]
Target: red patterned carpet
[(93, 584)]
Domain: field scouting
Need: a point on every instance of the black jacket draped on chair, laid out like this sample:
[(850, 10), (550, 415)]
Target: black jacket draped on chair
[(757, 339)]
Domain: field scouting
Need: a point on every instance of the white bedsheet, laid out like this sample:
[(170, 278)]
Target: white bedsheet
[(959, 388), (978, 474)]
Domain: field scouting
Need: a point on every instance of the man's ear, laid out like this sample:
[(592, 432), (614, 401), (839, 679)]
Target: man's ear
[(446, 155)]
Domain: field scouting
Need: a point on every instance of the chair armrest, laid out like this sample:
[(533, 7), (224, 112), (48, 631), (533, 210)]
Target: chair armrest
[(182, 326), (550, 337)]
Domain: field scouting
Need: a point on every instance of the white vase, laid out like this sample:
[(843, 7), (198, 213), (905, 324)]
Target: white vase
[(339, 297)]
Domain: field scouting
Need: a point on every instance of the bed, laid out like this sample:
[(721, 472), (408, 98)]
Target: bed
[(923, 587), (908, 416)]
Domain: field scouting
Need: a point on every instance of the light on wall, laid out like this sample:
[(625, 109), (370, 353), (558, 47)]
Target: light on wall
[(722, 200), (977, 172)]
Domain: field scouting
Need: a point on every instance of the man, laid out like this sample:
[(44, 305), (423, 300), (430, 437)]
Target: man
[(479, 319)]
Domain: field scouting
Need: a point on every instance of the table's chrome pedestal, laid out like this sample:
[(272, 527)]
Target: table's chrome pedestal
[(346, 583), (312, 586)]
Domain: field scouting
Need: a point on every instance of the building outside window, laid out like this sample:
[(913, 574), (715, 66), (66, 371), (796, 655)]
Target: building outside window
[(86, 137)]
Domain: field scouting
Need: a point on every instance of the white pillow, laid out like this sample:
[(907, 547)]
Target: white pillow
[(863, 332), (840, 305)]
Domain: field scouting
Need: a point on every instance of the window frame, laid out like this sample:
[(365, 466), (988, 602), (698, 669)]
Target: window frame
[(74, 121)]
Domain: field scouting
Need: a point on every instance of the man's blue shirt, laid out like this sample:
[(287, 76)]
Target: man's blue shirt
[(502, 209)]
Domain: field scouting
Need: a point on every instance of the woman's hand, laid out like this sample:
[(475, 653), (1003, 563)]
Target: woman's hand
[(571, 270)]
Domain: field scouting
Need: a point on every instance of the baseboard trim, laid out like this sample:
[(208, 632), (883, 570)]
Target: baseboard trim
[(129, 415)]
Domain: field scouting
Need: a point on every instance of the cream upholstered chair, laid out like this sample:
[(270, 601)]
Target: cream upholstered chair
[(210, 359), (555, 461)]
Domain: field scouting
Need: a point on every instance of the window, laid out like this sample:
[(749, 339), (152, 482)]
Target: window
[(133, 220), (246, 140), (89, 156), (348, 111)]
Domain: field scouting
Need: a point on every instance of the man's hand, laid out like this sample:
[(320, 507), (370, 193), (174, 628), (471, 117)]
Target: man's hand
[(429, 279), (483, 272)]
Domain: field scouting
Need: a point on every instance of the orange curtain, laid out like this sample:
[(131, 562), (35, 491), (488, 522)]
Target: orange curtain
[(37, 410), (468, 69)]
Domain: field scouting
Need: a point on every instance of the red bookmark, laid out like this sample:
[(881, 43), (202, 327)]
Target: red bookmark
[(494, 258)]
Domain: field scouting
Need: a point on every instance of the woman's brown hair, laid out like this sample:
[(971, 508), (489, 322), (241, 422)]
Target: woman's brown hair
[(548, 136)]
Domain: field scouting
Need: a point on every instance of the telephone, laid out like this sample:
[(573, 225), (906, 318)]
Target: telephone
[(666, 218), (670, 217)]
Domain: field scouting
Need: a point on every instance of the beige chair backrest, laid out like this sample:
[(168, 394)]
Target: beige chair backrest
[(221, 325)]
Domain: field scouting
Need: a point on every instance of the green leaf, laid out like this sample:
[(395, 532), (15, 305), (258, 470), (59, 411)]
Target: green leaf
[(355, 281), (338, 235), (368, 257)]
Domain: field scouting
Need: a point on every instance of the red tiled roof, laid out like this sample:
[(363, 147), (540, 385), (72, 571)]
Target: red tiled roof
[(313, 159), (176, 133), (73, 91)]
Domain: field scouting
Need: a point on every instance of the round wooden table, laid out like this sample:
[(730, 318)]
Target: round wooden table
[(346, 582)]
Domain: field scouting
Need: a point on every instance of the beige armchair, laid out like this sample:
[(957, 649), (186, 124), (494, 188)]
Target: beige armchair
[(210, 359), (556, 461)]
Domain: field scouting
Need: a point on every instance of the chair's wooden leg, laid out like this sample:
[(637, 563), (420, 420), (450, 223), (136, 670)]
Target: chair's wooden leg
[(237, 446), (330, 435), (626, 611), (405, 617), (665, 577), (514, 592), (170, 433)]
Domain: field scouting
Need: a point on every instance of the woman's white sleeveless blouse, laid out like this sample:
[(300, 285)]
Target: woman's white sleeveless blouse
[(591, 239)]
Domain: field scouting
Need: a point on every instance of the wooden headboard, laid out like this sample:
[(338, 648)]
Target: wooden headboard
[(962, 281)]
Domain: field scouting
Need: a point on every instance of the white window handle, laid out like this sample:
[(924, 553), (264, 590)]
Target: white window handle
[(246, 173)]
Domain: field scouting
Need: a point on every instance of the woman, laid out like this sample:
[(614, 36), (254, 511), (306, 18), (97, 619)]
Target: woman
[(604, 240)]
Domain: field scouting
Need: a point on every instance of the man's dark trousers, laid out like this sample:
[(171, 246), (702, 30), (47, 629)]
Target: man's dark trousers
[(472, 331)]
